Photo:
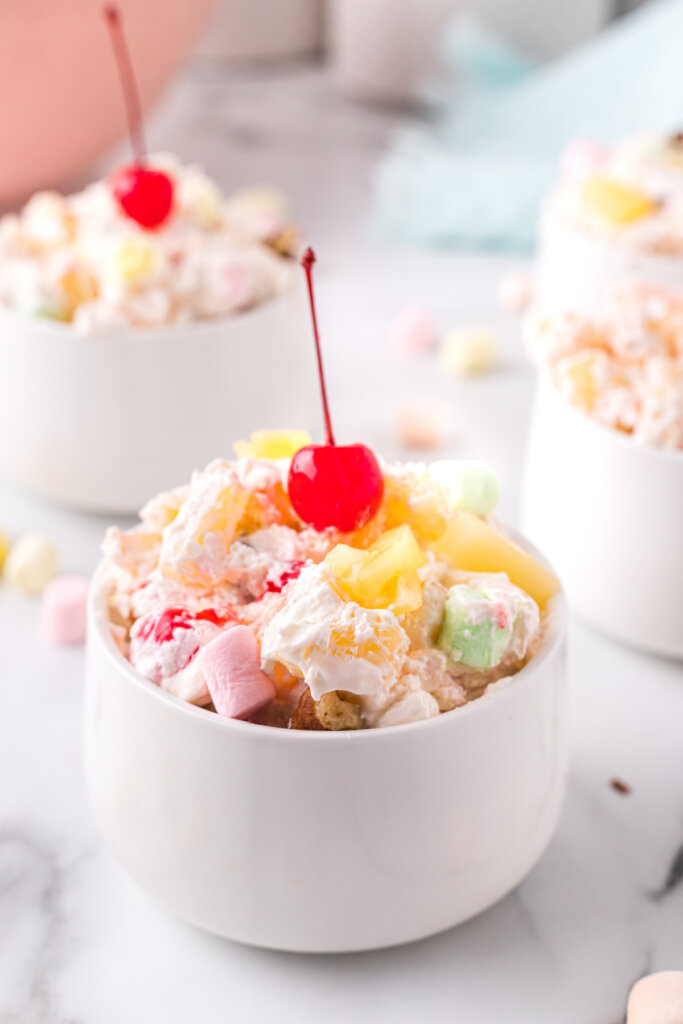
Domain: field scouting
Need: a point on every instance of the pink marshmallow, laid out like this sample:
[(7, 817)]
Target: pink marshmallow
[(413, 330), (231, 666), (582, 158), (63, 611), (515, 290), (657, 999)]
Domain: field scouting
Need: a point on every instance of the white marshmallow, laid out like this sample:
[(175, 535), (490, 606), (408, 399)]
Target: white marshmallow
[(31, 563)]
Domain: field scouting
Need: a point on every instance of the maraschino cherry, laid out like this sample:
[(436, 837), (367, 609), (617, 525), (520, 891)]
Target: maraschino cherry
[(330, 484), (144, 195)]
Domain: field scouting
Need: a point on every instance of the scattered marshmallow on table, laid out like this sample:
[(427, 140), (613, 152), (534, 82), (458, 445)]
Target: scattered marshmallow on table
[(657, 999), (515, 290), (4, 548), (63, 613), (422, 423), (469, 351), (31, 563), (231, 666), (413, 330)]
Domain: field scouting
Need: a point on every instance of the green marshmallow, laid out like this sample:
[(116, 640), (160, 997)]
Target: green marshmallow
[(471, 483), (469, 633)]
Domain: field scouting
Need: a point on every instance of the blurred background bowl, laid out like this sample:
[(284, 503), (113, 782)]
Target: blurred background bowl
[(60, 102), (606, 511), (101, 423)]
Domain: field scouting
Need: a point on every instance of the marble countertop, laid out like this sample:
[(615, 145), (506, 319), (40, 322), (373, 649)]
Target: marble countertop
[(79, 943)]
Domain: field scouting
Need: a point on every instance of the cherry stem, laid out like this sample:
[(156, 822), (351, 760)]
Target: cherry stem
[(131, 95), (307, 261)]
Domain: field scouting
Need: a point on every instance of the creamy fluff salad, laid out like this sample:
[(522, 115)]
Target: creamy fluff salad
[(223, 597), (626, 371), (632, 194), (82, 260)]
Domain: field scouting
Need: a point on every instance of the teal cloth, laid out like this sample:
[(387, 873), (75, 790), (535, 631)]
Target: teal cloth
[(475, 178)]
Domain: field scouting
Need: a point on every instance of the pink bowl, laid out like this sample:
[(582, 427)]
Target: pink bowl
[(60, 101)]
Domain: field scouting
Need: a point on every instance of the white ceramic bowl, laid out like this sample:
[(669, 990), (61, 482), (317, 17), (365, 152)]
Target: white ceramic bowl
[(325, 842), (103, 422), (609, 514), (576, 271)]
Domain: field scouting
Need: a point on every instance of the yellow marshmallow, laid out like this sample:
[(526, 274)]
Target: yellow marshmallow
[(272, 444), (469, 351), (31, 563), (135, 260), (4, 548)]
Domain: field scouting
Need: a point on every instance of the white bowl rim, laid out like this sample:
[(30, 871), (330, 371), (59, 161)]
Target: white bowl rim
[(502, 689), (546, 381), (142, 334)]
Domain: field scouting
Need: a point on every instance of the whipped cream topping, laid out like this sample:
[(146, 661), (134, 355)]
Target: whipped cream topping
[(626, 371), (229, 549), (80, 259)]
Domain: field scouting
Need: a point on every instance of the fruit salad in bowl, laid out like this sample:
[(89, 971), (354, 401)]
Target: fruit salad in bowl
[(117, 256), (624, 369), (616, 214), (226, 598), (131, 314), (604, 467), (325, 703)]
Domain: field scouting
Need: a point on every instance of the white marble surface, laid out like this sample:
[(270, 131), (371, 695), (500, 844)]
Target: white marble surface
[(80, 944)]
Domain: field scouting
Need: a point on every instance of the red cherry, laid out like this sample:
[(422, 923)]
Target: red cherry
[(277, 583), (329, 484), (144, 194), (335, 485)]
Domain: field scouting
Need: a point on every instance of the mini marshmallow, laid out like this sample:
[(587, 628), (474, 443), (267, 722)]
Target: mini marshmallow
[(422, 424), (4, 548), (413, 330), (31, 563), (657, 999), (231, 665), (471, 484), (64, 610), (515, 290), (468, 351), (582, 158)]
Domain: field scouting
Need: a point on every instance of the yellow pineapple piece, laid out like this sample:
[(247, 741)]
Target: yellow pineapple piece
[(272, 444), (579, 372), (472, 544), (616, 203), (384, 575), (135, 260)]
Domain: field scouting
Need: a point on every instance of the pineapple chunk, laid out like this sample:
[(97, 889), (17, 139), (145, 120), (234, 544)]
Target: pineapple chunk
[(580, 378), (135, 260), (383, 576), (196, 543), (272, 444), (472, 544), (616, 203)]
